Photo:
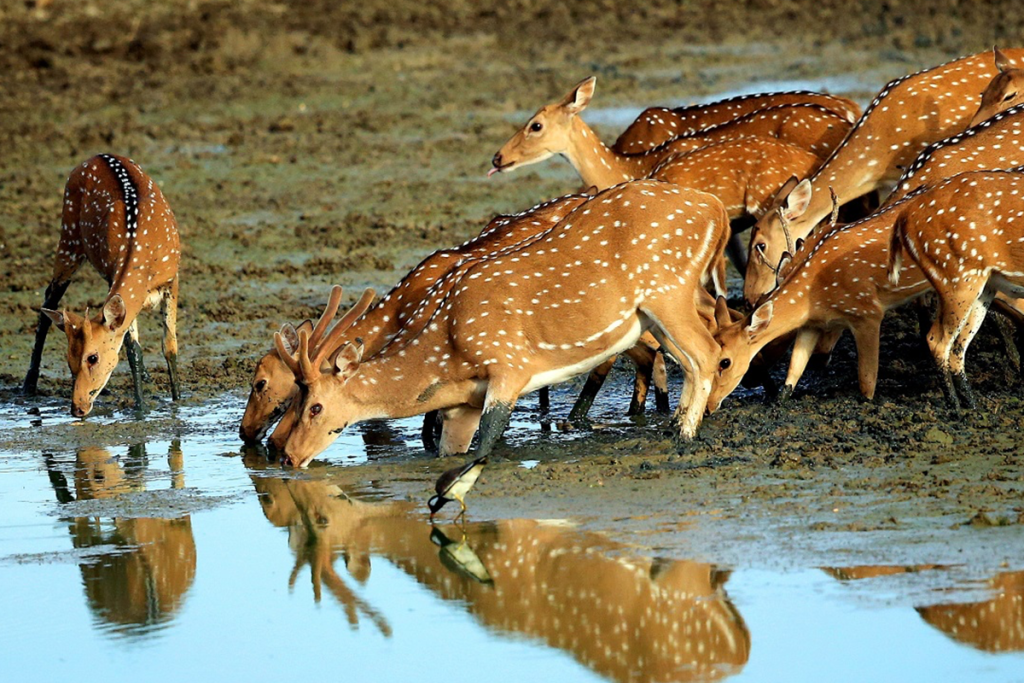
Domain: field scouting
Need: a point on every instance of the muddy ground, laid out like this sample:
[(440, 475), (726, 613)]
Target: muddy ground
[(302, 144)]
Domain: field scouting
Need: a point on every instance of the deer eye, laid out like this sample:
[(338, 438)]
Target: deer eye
[(315, 409), (93, 359), (760, 247), (536, 127), (724, 364), (1009, 96), (261, 385)]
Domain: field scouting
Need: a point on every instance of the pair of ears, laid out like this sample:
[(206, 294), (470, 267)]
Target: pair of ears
[(114, 313)]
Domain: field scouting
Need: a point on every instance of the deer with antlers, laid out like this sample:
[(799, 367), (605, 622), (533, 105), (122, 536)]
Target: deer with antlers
[(631, 259), (965, 236), (904, 118), (657, 125), (558, 129), (274, 387), (115, 217)]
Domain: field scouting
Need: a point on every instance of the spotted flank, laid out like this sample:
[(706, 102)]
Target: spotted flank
[(129, 193)]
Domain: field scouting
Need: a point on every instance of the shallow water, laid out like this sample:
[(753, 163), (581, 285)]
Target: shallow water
[(129, 557)]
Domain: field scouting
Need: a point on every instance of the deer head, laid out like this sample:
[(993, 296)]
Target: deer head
[(93, 348), (323, 407), (771, 238), (273, 383), (1006, 89), (547, 132), (739, 346)]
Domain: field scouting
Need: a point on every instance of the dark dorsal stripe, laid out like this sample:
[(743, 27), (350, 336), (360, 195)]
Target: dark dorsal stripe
[(129, 193)]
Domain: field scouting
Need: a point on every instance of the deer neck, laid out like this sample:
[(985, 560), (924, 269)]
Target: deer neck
[(595, 163)]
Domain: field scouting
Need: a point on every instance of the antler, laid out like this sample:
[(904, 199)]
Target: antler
[(330, 342), (333, 302)]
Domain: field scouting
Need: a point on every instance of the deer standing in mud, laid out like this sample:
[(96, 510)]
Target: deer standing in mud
[(558, 129), (631, 259), (965, 235), (115, 217), (274, 386), (904, 118)]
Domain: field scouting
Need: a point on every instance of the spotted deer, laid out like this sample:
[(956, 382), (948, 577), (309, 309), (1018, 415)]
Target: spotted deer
[(965, 235), (532, 315), (837, 281), (992, 625), (558, 129), (115, 217), (907, 115), (1005, 91), (657, 125), (274, 387)]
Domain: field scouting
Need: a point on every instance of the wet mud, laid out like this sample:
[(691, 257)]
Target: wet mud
[(306, 144)]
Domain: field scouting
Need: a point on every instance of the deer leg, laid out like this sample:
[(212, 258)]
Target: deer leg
[(460, 424), (544, 399), (54, 293), (134, 353), (169, 308), (660, 375), (1008, 333), (959, 351), (954, 309), (595, 380), (822, 354), (428, 436), (806, 341), (866, 336), (498, 404)]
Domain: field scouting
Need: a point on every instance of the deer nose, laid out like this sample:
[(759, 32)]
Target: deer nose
[(496, 161), (77, 411)]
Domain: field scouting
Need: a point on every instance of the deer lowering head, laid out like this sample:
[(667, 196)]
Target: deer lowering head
[(630, 259), (1004, 91), (115, 216), (273, 384), (908, 114)]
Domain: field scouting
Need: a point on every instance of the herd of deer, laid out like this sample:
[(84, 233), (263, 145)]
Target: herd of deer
[(621, 268)]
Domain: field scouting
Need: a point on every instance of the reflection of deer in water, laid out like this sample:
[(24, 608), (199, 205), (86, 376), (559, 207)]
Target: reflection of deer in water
[(141, 582), (624, 616), (995, 625)]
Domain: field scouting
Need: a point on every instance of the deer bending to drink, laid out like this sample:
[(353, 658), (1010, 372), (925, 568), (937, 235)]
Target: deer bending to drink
[(274, 387), (657, 125), (907, 115), (966, 236), (1005, 91), (535, 315), (558, 129), (115, 216)]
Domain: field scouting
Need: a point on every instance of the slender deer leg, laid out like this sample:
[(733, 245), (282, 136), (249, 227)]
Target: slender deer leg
[(954, 309), (460, 424), (54, 292), (595, 380), (498, 405), (169, 305), (866, 336), (427, 431), (134, 352), (660, 376), (1008, 333), (806, 341), (544, 399), (822, 355), (959, 352), (641, 380)]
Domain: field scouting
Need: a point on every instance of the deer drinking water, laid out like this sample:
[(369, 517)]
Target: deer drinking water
[(631, 259), (115, 217), (904, 118)]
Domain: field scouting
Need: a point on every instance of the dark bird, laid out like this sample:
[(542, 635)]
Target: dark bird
[(455, 484)]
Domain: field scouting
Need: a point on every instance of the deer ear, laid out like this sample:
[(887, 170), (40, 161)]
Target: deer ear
[(760, 319), (799, 244), (114, 312), (1003, 63), (722, 317), (346, 363), (306, 325), (578, 99), (56, 317), (291, 337), (797, 201)]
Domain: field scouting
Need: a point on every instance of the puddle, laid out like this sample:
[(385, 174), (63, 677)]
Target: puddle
[(130, 555)]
